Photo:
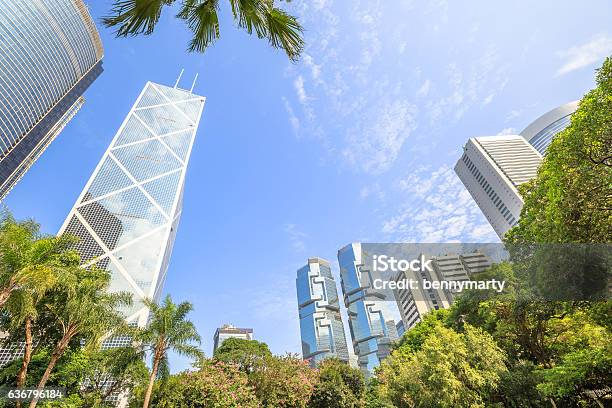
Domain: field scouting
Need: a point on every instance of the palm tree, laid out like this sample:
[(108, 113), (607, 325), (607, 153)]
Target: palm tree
[(28, 259), (133, 17), (83, 309), (168, 330)]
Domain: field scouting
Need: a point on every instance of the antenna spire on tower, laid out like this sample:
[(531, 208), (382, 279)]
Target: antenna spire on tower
[(179, 78), (194, 82)]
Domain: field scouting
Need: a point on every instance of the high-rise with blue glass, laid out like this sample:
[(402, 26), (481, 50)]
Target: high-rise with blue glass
[(50, 52), (127, 215), (371, 318), (321, 326)]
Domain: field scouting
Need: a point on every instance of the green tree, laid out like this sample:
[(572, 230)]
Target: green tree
[(283, 382), (570, 200), (211, 384), (28, 259), (168, 330), (83, 309), (283, 31), (36, 263), (339, 386), (243, 353), (450, 369), (86, 373)]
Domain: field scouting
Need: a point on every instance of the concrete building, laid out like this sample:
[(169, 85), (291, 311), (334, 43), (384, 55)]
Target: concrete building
[(414, 303), (493, 167), (227, 331)]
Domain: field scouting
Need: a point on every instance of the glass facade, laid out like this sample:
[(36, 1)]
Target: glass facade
[(542, 139), (50, 52), (321, 327), (370, 320), (127, 215)]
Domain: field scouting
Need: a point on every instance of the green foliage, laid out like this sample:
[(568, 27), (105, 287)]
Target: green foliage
[(414, 338), (212, 384), (261, 17), (243, 353), (30, 264), (168, 329), (570, 199), (340, 386), (450, 369), (283, 382), (85, 373)]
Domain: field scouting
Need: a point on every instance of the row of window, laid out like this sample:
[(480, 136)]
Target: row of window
[(505, 212)]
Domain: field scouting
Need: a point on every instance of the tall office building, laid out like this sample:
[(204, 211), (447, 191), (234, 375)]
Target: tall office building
[(127, 215), (50, 52), (321, 325), (371, 322), (492, 167), (414, 303), (227, 331)]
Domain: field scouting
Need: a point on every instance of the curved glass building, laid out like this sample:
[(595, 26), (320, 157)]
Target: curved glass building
[(542, 130), (50, 52)]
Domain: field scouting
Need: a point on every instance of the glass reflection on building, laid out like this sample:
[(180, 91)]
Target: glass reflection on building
[(50, 53), (321, 326), (371, 322), (127, 215)]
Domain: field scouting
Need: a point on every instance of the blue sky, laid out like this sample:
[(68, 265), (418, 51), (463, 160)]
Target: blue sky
[(356, 142)]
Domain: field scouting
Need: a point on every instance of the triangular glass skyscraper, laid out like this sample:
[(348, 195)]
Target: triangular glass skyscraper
[(127, 215)]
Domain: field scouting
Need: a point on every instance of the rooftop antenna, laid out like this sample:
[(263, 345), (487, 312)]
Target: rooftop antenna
[(194, 82), (179, 78)]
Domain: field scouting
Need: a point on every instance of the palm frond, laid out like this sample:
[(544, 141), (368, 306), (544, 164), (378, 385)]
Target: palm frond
[(202, 19), (133, 17), (285, 32), (251, 15)]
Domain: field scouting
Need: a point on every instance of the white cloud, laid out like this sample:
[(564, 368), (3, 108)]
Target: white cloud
[(298, 84), (296, 237), (374, 144), (584, 55), (315, 70), (437, 209), (424, 89), (293, 119), (507, 131), (373, 190)]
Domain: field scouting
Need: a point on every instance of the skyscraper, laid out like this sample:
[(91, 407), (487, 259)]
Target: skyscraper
[(414, 303), (321, 325), (492, 167), (127, 215), (372, 326), (227, 331), (50, 52)]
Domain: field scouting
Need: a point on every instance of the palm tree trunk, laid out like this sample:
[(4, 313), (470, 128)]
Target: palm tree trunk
[(147, 398), (58, 351), (4, 294), (27, 356)]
